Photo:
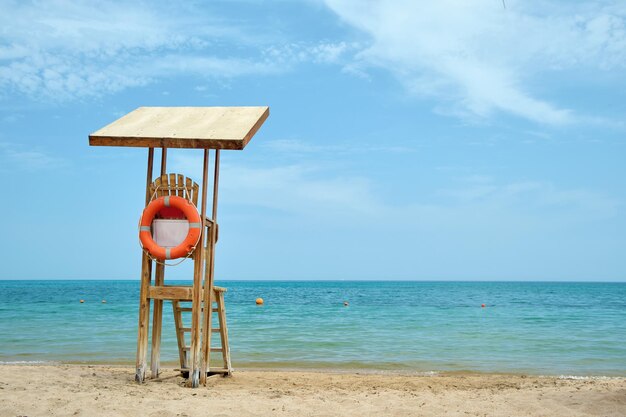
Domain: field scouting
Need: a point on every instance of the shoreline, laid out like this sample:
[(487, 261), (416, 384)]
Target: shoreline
[(330, 370), (104, 390)]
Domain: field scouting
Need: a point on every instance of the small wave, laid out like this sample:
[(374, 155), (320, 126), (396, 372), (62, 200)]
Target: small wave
[(588, 378), (26, 362), (428, 373)]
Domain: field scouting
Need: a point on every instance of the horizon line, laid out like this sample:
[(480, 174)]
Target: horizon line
[(617, 281)]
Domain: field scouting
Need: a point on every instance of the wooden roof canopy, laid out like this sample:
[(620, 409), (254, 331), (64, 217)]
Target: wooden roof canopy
[(183, 127)]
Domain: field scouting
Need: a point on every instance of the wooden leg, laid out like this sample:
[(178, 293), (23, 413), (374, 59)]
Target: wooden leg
[(207, 318), (196, 314), (221, 311), (209, 276), (157, 323), (144, 301), (157, 315), (144, 319), (180, 335)]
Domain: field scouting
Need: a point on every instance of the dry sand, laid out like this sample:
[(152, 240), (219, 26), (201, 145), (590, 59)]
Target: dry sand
[(72, 390)]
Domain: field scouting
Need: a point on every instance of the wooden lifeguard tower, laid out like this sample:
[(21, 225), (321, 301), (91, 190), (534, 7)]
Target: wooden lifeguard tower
[(204, 128)]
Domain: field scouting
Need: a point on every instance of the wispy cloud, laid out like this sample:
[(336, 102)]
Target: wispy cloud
[(528, 196), (61, 50), (301, 189), (322, 192), (322, 52), (481, 58), (15, 157), (297, 146)]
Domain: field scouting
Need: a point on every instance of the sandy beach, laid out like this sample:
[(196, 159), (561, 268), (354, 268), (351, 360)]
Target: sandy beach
[(81, 390)]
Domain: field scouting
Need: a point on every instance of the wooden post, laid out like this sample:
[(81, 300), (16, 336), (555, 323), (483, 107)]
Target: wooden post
[(180, 334), (163, 160), (221, 311), (157, 315), (194, 372), (209, 275), (144, 301)]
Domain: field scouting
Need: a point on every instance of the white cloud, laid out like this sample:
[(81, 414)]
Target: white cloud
[(322, 52), (528, 196), (296, 146), (297, 189), (319, 191), (480, 57), (18, 157), (211, 66), (61, 50), (64, 50)]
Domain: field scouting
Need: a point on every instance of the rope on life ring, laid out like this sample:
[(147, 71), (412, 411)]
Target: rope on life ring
[(187, 246)]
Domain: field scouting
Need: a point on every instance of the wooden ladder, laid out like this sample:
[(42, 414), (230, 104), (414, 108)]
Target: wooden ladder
[(183, 348)]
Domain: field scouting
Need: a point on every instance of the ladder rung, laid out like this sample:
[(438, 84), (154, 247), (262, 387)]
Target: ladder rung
[(188, 309), (219, 370), (188, 329), (215, 310), (213, 349), (211, 369)]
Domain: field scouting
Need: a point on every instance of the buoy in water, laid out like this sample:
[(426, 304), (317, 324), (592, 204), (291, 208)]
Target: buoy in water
[(259, 301), (82, 301), (104, 301), (346, 304), (482, 305)]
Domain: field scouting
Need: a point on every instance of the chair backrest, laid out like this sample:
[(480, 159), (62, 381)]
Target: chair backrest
[(175, 184)]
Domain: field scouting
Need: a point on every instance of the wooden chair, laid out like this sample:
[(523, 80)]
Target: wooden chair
[(181, 296), (174, 184)]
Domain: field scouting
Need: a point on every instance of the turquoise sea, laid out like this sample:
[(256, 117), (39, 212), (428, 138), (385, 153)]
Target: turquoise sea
[(540, 328)]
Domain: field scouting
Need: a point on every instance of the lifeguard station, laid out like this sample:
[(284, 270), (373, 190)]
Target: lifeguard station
[(172, 228)]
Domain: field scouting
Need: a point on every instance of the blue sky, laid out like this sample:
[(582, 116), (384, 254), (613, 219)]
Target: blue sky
[(448, 140)]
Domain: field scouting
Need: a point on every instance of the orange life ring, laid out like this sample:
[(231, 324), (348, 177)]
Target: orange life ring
[(193, 236)]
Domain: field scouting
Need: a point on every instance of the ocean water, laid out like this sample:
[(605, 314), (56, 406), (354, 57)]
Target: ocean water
[(534, 327)]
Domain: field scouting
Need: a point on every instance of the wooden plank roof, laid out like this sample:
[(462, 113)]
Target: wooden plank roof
[(183, 127)]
